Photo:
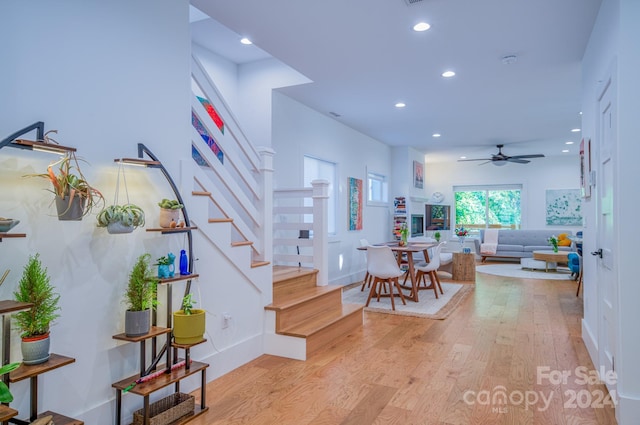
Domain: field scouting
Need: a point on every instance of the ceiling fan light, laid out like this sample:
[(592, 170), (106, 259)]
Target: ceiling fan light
[(499, 163)]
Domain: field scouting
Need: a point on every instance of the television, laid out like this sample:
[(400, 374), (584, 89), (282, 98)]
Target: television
[(417, 225)]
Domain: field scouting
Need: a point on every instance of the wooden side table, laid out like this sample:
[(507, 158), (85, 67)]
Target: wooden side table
[(464, 266)]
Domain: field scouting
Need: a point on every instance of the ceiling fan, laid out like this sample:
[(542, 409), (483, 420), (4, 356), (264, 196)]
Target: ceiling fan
[(501, 159)]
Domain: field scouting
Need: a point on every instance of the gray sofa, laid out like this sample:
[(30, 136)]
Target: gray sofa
[(522, 243)]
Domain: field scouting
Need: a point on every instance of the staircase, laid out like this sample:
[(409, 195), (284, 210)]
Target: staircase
[(308, 317)]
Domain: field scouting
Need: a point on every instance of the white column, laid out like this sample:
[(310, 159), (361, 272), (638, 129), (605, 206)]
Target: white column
[(321, 230), (265, 206)]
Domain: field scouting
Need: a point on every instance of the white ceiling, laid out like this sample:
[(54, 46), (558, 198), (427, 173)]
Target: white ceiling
[(363, 57)]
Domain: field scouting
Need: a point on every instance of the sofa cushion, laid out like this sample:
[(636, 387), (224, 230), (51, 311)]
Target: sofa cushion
[(506, 247)]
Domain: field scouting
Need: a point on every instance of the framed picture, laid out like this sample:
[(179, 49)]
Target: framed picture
[(585, 169), (564, 207), (355, 203), (418, 175)]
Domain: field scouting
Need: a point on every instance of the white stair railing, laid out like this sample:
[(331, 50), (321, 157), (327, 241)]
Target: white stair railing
[(300, 228)]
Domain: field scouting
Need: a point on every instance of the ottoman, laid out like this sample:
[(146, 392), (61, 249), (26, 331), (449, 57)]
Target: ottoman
[(531, 264)]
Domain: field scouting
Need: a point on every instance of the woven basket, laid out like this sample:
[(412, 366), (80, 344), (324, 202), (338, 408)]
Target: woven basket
[(166, 410)]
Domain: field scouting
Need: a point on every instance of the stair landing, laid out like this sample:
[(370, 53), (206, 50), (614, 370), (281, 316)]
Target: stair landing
[(312, 313)]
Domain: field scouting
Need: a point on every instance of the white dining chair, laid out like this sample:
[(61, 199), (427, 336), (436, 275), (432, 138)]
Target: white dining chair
[(383, 268), (430, 269), (367, 277)]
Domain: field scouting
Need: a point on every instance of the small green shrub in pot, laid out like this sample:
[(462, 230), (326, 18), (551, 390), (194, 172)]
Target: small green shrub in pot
[(140, 297), (188, 323), (35, 287)]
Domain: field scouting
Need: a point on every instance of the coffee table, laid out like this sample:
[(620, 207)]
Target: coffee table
[(551, 257)]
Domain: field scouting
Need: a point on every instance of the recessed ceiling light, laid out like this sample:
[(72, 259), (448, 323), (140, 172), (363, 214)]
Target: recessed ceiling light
[(400, 105), (580, 113), (565, 150), (463, 157), (575, 130), (436, 135), (421, 26), (245, 40), (448, 74), (568, 143)]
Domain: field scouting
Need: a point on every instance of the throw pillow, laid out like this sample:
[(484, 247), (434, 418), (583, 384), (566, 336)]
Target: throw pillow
[(563, 240)]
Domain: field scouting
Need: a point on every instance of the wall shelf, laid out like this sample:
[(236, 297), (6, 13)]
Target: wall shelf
[(177, 278), (165, 230)]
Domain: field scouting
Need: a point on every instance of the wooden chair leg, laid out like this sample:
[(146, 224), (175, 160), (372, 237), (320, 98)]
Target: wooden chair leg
[(364, 282), (393, 304), (434, 282), (399, 291), (371, 291), (579, 284), (435, 272)]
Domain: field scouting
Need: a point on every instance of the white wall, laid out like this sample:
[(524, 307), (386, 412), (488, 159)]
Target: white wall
[(298, 131), (557, 172), (614, 47), (107, 75)]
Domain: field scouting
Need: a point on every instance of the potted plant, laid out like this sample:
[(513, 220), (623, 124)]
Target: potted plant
[(140, 297), (74, 196), (188, 323), (35, 288), (169, 212), (166, 266), (121, 218), (437, 236)]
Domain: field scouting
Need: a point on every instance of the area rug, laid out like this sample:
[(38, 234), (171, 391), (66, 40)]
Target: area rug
[(428, 306), (515, 270)]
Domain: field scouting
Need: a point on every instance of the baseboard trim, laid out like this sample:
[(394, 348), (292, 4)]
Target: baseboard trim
[(590, 342)]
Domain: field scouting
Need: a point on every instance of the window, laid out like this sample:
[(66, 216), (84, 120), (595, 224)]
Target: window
[(377, 192), (479, 207), (318, 169)]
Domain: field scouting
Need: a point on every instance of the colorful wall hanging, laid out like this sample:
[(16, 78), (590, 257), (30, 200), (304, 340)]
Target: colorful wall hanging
[(564, 207), (355, 203)]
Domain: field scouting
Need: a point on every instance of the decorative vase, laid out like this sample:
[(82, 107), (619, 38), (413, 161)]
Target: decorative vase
[(167, 216), (35, 350), (137, 323), (461, 238), (73, 210), (555, 249), (163, 271)]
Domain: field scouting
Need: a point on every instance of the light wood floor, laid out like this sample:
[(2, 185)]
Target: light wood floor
[(404, 370)]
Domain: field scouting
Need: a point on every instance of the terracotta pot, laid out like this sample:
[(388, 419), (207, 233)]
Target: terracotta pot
[(167, 216)]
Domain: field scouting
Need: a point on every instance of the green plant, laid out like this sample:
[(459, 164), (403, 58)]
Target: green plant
[(140, 294), (170, 204), (35, 288), (187, 304), (437, 236), (128, 215), (68, 181), (5, 394)]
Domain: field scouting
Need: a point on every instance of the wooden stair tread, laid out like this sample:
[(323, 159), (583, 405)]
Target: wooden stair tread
[(200, 193), (314, 324), (220, 220), (281, 273), (259, 263), (241, 243), (289, 300)]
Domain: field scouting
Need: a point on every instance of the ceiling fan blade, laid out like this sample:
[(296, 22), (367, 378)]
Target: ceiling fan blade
[(538, 155), (476, 159), (517, 160)]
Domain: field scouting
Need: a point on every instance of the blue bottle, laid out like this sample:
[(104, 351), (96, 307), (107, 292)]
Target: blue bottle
[(184, 263)]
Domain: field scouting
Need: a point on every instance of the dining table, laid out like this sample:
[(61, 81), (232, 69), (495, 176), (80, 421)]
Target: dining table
[(408, 250)]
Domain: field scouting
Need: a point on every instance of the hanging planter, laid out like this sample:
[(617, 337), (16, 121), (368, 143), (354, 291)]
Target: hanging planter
[(121, 218), (75, 197)]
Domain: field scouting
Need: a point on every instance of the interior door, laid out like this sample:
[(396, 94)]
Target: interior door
[(607, 279)]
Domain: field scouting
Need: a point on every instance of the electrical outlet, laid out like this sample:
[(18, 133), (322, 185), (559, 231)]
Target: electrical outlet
[(226, 320)]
